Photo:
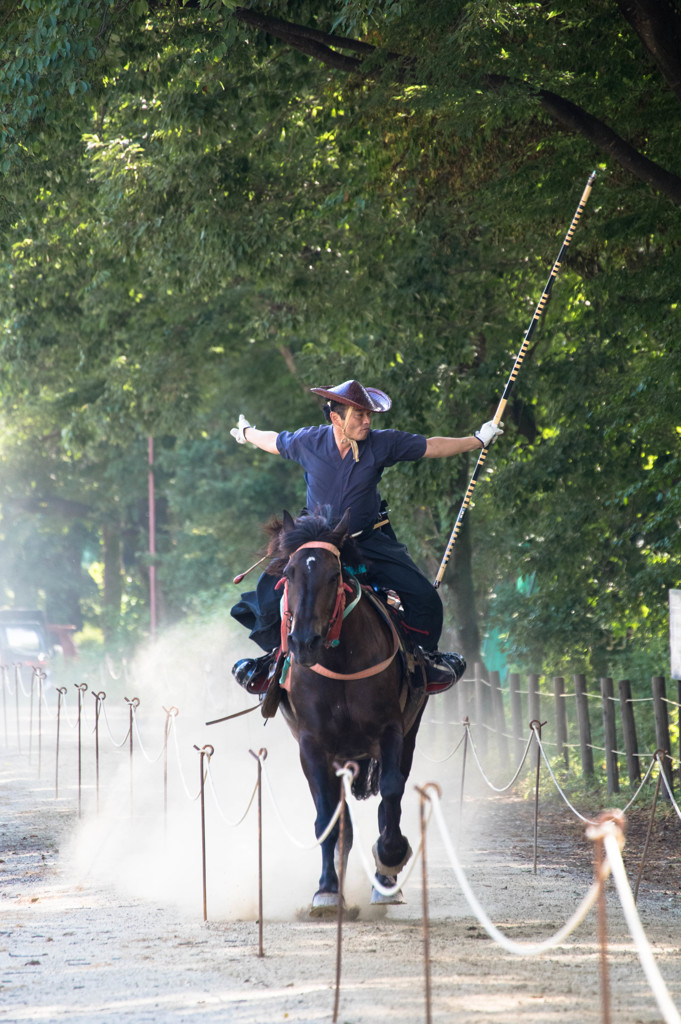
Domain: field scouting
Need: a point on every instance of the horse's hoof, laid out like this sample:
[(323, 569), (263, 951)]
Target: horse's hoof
[(390, 869), (325, 905), (388, 882)]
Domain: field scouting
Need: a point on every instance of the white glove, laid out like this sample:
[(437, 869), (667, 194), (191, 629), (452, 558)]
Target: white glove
[(238, 431), (488, 433)]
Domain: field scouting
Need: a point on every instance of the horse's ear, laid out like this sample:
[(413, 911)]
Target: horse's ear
[(288, 523), (341, 530)]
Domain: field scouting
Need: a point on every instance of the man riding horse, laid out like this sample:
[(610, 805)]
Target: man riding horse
[(343, 463)]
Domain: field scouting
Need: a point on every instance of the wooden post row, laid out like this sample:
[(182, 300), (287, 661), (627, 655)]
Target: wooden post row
[(533, 703), (629, 732), (499, 718), (610, 735), (561, 718), (517, 723), (662, 726), (584, 724)]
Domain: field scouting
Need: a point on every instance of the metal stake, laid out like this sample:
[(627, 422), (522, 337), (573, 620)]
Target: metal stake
[(30, 718), (658, 756), (81, 687), (5, 683), (61, 690), (260, 757), (599, 857), (171, 712), (42, 676), (466, 724), (16, 703), (424, 894), (99, 698), (339, 919), (536, 727), (133, 703), (353, 768), (208, 752)]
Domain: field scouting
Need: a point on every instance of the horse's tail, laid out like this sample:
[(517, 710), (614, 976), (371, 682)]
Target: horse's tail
[(368, 777)]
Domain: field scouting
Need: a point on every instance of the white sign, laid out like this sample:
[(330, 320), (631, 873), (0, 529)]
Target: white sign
[(675, 632)]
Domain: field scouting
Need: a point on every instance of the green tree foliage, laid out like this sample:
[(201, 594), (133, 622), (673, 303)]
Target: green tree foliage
[(209, 208)]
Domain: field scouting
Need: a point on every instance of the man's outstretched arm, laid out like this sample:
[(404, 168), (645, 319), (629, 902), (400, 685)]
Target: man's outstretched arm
[(441, 447), (265, 439)]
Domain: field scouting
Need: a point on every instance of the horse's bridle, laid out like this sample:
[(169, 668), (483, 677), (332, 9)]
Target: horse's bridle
[(335, 622)]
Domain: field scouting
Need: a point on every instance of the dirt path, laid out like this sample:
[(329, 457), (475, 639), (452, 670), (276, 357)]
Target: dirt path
[(101, 916)]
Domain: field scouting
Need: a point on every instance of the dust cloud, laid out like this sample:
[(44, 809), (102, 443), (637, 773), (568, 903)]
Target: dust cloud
[(130, 840)]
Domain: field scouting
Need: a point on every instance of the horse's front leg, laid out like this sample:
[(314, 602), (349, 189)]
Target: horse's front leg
[(392, 850), (325, 789)]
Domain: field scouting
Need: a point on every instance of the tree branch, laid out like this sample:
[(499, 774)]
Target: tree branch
[(605, 139), (658, 26), (308, 40), (661, 37)]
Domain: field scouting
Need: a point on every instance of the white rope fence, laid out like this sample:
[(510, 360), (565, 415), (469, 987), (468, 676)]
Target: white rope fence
[(440, 760), (231, 822), (145, 755), (178, 756), (509, 785), (645, 955), (296, 842), (607, 832), (518, 948), (670, 794), (561, 791)]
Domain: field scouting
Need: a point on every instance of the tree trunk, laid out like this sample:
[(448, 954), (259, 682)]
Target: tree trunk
[(113, 579), (462, 590)]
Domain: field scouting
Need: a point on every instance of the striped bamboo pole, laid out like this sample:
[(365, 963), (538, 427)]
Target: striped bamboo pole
[(514, 373)]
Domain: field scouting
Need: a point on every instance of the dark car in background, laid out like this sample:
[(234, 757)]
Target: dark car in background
[(27, 639)]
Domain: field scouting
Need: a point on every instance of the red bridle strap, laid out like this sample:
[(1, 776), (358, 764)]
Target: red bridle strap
[(336, 620), (335, 623)]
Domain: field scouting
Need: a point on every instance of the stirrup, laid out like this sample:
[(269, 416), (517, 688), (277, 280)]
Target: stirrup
[(254, 673), (443, 670)]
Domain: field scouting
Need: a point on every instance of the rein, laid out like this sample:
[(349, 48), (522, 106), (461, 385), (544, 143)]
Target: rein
[(340, 612)]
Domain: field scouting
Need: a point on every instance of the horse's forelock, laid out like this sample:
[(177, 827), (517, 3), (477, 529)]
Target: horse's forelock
[(283, 542)]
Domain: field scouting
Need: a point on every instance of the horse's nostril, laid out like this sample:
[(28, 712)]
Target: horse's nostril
[(305, 648)]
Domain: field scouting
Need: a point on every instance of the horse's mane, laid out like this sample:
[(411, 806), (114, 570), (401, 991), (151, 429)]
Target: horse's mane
[(311, 526)]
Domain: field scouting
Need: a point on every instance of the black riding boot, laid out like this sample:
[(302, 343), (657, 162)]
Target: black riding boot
[(253, 673), (443, 669)]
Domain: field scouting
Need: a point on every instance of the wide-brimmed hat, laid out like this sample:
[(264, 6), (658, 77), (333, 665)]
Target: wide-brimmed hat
[(351, 392)]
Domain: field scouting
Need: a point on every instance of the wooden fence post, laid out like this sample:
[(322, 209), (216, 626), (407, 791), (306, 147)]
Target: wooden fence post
[(610, 734), (533, 703), (584, 725), (499, 717), (678, 720), (517, 727), (561, 718), (629, 732), (465, 694), (659, 688), (481, 708)]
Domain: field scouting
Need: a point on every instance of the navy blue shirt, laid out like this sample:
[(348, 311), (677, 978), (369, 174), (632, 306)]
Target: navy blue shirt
[(341, 482)]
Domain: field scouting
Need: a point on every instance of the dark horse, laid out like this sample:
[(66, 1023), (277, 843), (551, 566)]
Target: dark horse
[(348, 696)]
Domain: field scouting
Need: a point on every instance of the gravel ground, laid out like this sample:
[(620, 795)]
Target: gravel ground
[(101, 915)]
